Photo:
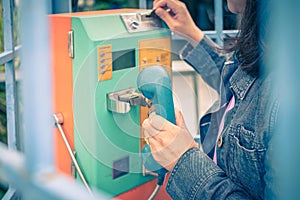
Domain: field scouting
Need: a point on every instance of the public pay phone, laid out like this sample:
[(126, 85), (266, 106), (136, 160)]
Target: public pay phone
[(96, 58)]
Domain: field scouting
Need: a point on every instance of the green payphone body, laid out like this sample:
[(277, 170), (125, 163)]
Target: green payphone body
[(96, 60)]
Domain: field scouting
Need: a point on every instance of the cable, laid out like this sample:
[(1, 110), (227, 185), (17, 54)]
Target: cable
[(154, 193), (160, 182), (58, 121)]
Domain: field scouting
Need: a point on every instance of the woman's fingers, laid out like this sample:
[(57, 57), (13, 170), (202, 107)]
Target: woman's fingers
[(165, 16), (158, 122), (148, 129), (178, 19)]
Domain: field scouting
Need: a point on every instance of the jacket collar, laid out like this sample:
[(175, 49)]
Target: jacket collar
[(241, 81)]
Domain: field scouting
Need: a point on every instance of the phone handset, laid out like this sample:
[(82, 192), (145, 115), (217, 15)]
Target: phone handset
[(155, 84)]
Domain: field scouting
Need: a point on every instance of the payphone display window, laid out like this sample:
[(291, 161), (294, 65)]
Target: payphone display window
[(123, 59)]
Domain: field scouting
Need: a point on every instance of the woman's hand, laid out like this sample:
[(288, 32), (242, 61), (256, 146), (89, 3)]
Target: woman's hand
[(178, 19), (167, 141)]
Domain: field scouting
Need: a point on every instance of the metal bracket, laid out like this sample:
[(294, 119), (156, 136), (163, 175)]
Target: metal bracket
[(137, 22), (71, 44), (121, 101)]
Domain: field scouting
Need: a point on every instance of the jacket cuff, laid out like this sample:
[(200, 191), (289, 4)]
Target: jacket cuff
[(190, 174)]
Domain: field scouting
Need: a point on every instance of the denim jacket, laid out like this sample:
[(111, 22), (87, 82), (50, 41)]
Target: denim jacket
[(244, 148)]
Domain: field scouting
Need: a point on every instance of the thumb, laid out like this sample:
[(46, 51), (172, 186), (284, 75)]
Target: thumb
[(179, 119)]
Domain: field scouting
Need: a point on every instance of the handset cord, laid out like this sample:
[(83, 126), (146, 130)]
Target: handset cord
[(160, 182)]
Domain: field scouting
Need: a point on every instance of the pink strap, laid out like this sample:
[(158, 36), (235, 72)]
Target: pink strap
[(229, 107)]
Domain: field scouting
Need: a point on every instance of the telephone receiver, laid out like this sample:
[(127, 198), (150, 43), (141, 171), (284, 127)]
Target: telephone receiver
[(155, 84)]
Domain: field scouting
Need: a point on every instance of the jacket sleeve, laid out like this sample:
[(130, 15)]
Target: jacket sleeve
[(196, 176), (206, 61)]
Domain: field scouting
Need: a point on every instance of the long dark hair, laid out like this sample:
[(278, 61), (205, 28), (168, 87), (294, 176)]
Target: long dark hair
[(246, 43)]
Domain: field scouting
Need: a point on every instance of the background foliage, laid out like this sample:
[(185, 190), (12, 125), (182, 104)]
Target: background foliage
[(3, 137)]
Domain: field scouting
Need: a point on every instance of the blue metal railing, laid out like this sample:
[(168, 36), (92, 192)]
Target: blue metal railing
[(10, 80)]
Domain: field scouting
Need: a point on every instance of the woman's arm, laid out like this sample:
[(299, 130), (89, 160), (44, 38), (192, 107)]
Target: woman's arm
[(205, 59), (202, 54)]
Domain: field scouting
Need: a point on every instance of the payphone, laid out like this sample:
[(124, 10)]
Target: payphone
[(96, 58)]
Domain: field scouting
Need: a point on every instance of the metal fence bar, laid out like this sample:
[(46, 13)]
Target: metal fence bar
[(7, 56), (36, 94), (211, 34), (219, 21), (10, 194), (46, 186), (11, 105), (10, 82), (143, 4)]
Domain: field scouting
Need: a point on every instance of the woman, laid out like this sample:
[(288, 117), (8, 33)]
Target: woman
[(236, 134)]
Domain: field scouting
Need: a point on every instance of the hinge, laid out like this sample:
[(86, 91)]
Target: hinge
[(71, 44), (121, 101)]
